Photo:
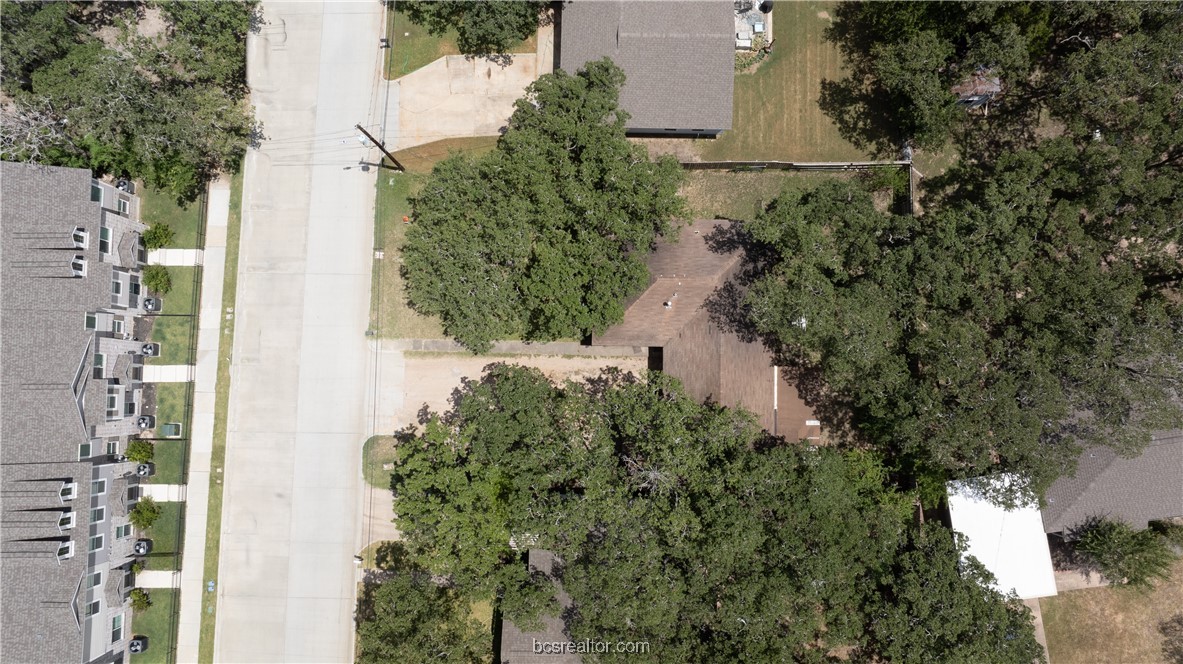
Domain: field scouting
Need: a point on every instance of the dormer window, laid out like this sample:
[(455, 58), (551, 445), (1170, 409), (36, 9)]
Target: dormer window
[(69, 491), (66, 550), (66, 521), (78, 266), (105, 240), (81, 238)]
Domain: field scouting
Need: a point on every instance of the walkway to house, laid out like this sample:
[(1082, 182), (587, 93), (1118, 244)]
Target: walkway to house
[(159, 579), (179, 257), (514, 348), (205, 375), (163, 493), (170, 373), (1037, 618)]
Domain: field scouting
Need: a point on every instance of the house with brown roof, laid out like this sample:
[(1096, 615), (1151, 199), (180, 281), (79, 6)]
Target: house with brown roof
[(670, 317), (1148, 487), (678, 57)]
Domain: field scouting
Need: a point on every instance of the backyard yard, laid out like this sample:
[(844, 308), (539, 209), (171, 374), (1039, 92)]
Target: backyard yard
[(740, 195), (172, 328), (166, 537), (170, 454), (1112, 624), (159, 206), (776, 113), (156, 623)]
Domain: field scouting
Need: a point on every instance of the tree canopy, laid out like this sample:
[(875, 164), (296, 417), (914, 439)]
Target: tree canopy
[(489, 27), (998, 332), (88, 89), (680, 524), (545, 236), (403, 616), (1093, 65)]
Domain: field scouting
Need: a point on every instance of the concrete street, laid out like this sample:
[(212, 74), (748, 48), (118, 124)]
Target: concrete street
[(293, 490)]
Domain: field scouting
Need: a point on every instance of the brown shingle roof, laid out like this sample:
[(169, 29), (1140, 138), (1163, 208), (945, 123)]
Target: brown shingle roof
[(1137, 491), (679, 57), (711, 363)]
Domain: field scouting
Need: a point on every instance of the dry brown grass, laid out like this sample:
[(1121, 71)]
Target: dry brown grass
[(712, 194), (1111, 625)]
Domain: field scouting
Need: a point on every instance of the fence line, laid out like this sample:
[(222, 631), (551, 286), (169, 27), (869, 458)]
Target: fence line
[(791, 165), (837, 166)]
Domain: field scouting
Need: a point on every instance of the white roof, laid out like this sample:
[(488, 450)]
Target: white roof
[(1010, 543)]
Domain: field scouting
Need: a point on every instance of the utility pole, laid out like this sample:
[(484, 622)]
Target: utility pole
[(382, 148)]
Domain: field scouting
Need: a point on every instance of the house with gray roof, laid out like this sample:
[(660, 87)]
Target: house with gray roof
[(1145, 488), (678, 57), (70, 395)]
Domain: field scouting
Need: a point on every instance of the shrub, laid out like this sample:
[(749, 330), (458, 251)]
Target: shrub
[(1123, 555), (145, 513), (140, 451), (137, 567), (158, 235), (140, 600), (157, 278)]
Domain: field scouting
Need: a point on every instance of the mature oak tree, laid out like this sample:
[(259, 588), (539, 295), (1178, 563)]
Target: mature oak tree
[(545, 237), (676, 523), (403, 616), (996, 333), (488, 27), (169, 110)]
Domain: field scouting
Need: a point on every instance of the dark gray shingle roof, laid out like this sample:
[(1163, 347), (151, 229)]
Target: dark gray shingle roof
[(679, 57), (1137, 491)]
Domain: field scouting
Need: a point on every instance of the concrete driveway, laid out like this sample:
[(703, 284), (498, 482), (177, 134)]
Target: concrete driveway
[(291, 514), (456, 97)]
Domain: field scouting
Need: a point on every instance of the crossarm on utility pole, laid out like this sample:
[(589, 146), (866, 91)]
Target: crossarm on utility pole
[(381, 147)]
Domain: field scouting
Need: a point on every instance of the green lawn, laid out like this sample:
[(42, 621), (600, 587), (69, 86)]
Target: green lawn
[(377, 451), (172, 328), (412, 47), (180, 300), (160, 206), (173, 335), (712, 194), (776, 113), (169, 458), (213, 524), (390, 317), (166, 537), (170, 404), (156, 623)]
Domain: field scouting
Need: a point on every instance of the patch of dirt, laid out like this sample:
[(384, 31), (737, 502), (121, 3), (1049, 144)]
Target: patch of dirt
[(152, 25), (682, 149), (825, 16), (431, 379)]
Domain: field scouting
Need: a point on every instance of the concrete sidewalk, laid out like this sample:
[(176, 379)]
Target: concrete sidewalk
[(513, 348), (158, 579), (168, 373), (163, 493), (205, 375), (179, 257)]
